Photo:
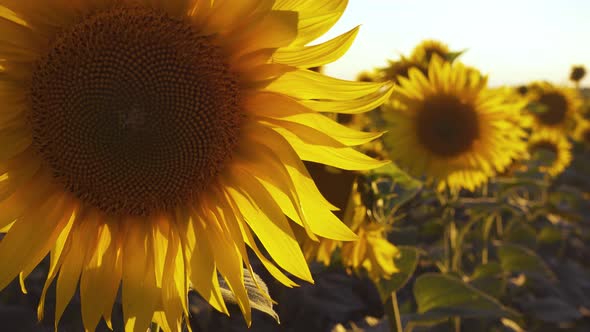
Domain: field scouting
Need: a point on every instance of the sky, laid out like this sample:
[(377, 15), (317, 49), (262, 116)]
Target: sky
[(513, 41)]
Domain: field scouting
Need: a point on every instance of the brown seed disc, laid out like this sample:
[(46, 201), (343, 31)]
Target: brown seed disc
[(544, 147), (134, 111), (446, 126), (556, 108)]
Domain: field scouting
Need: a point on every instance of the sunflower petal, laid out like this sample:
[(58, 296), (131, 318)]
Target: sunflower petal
[(140, 294), (40, 228), (101, 276), (306, 84), (315, 17), (340, 157), (317, 55), (203, 274), (267, 221)]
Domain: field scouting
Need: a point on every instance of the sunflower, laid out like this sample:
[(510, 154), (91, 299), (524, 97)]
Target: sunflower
[(448, 127), (372, 253), (551, 150), (425, 51), (399, 68), (365, 76), (148, 144), (577, 73), (552, 107)]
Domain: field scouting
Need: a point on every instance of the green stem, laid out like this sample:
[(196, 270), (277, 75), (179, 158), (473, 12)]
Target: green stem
[(398, 318)]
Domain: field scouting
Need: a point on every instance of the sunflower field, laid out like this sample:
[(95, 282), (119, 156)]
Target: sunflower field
[(188, 165)]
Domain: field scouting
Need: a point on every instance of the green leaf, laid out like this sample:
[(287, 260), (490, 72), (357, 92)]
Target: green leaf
[(492, 269), (516, 258), (550, 235), (489, 279), (439, 296), (452, 56), (406, 263), (522, 233), (397, 175)]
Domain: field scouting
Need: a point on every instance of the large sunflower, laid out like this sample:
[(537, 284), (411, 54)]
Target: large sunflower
[(551, 150), (147, 143), (448, 127), (552, 107)]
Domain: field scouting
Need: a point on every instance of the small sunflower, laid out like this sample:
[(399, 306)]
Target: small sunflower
[(551, 150), (552, 107), (427, 49), (448, 127), (577, 73), (372, 253), (365, 76), (147, 144)]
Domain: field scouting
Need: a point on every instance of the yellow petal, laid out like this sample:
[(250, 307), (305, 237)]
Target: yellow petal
[(56, 259), (274, 30), (270, 266), (275, 106), (317, 55), (82, 236), (203, 273), (307, 84), (140, 294), (263, 164), (174, 291), (355, 106), (340, 157), (31, 237), (101, 276), (321, 130), (281, 147), (268, 222), (315, 17), (227, 258), (224, 14)]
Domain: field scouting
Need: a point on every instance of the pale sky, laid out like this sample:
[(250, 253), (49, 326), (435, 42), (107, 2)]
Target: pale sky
[(513, 41)]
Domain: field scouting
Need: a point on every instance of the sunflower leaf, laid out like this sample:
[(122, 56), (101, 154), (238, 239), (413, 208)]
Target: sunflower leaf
[(441, 296), (406, 263), (257, 293)]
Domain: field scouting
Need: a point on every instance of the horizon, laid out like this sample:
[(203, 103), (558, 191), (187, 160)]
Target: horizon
[(546, 50)]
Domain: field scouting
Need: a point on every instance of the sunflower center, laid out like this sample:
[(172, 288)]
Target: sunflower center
[(134, 111), (446, 126), (544, 151), (586, 136), (556, 107)]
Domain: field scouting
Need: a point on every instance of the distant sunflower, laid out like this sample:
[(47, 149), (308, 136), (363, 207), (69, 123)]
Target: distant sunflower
[(425, 51), (552, 150), (400, 68), (365, 76), (522, 90), (448, 127), (372, 253), (552, 107), (577, 73), (147, 143)]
